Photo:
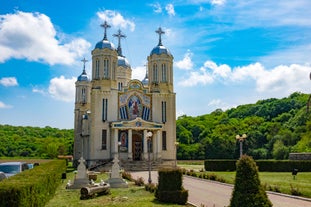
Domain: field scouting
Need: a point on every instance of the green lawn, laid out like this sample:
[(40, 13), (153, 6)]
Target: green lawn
[(122, 197)]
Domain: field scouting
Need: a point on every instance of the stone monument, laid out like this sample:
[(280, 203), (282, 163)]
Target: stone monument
[(115, 179), (81, 178)]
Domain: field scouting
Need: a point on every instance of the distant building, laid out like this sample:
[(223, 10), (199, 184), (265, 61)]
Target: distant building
[(114, 113)]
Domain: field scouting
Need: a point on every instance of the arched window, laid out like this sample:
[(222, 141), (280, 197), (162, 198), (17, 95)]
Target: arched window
[(155, 73), (83, 96), (106, 69), (96, 69), (164, 73)]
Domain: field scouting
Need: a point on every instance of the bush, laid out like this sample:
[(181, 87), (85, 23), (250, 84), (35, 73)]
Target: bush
[(247, 188), (151, 187), (170, 189), (140, 181), (127, 176)]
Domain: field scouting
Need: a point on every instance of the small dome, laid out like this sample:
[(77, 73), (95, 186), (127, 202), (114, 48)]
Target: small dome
[(83, 77), (105, 44), (160, 49), (145, 81), (122, 61)]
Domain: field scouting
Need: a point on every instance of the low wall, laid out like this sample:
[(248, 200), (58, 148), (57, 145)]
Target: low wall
[(300, 156)]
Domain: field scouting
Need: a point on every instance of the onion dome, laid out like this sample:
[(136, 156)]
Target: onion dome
[(160, 49), (105, 43), (122, 61), (83, 76)]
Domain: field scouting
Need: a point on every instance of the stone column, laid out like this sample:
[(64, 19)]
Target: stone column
[(159, 144), (130, 140), (154, 146), (115, 142), (145, 145)]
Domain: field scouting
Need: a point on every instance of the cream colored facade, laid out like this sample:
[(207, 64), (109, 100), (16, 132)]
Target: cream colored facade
[(114, 113)]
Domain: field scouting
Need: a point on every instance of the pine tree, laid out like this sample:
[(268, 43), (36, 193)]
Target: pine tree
[(247, 188)]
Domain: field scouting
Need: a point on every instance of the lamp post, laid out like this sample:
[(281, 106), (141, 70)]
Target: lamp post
[(149, 135), (176, 146), (241, 139)]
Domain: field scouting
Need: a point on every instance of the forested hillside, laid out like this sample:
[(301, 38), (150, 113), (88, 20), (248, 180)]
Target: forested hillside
[(18, 141), (274, 128)]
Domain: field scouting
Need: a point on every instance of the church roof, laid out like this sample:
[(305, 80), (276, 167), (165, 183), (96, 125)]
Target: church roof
[(83, 76), (160, 49), (105, 42), (122, 61)]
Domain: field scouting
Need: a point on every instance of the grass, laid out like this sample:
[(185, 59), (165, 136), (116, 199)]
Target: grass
[(132, 196), (273, 181)]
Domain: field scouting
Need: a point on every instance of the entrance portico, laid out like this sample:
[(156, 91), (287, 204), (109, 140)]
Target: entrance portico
[(131, 142)]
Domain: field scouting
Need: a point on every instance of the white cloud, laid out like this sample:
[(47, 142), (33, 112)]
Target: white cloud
[(32, 36), (218, 2), (186, 63), (196, 78), (170, 9), (139, 73), (217, 103), (156, 7), (62, 89), (116, 19), (4, 106), (40, 91), (8, 81), (276, 82)]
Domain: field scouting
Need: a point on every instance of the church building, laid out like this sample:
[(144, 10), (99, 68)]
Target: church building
[(116, 115)]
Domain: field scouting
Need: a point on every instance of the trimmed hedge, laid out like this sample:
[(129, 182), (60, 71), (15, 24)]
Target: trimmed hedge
[(170, 189), (263, 165), (34, 187)]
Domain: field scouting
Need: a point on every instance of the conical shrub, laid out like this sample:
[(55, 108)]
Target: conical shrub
[(247, 188)]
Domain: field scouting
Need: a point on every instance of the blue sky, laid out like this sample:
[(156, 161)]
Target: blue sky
[(226, 52)]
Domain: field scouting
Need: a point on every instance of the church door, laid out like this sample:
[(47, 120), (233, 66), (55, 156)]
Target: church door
[(137, 146)]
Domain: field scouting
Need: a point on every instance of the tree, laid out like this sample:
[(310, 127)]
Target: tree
[(247, 188)]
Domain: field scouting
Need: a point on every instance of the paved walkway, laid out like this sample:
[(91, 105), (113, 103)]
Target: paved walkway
[(215, 194)]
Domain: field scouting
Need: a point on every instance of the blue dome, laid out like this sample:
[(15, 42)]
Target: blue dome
[(145, 81), (160, 49), (122, 61), (105, 44), (83, 77)]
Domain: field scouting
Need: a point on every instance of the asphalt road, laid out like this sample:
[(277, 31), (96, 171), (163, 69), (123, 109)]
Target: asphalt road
[(215, 194)]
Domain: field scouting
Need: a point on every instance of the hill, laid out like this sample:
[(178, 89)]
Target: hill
[(274, 128), (18, 141)]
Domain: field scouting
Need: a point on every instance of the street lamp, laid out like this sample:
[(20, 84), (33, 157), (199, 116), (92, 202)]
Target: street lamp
[(241, 139), (176, 146), (149, 135)]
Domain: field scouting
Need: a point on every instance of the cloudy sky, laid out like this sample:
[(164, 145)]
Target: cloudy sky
[(226, 52)]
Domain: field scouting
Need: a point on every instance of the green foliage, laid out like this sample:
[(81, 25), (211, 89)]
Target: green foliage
[(247, 188), (274, 128), (170, 187), (18, 141), (32, 187)]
